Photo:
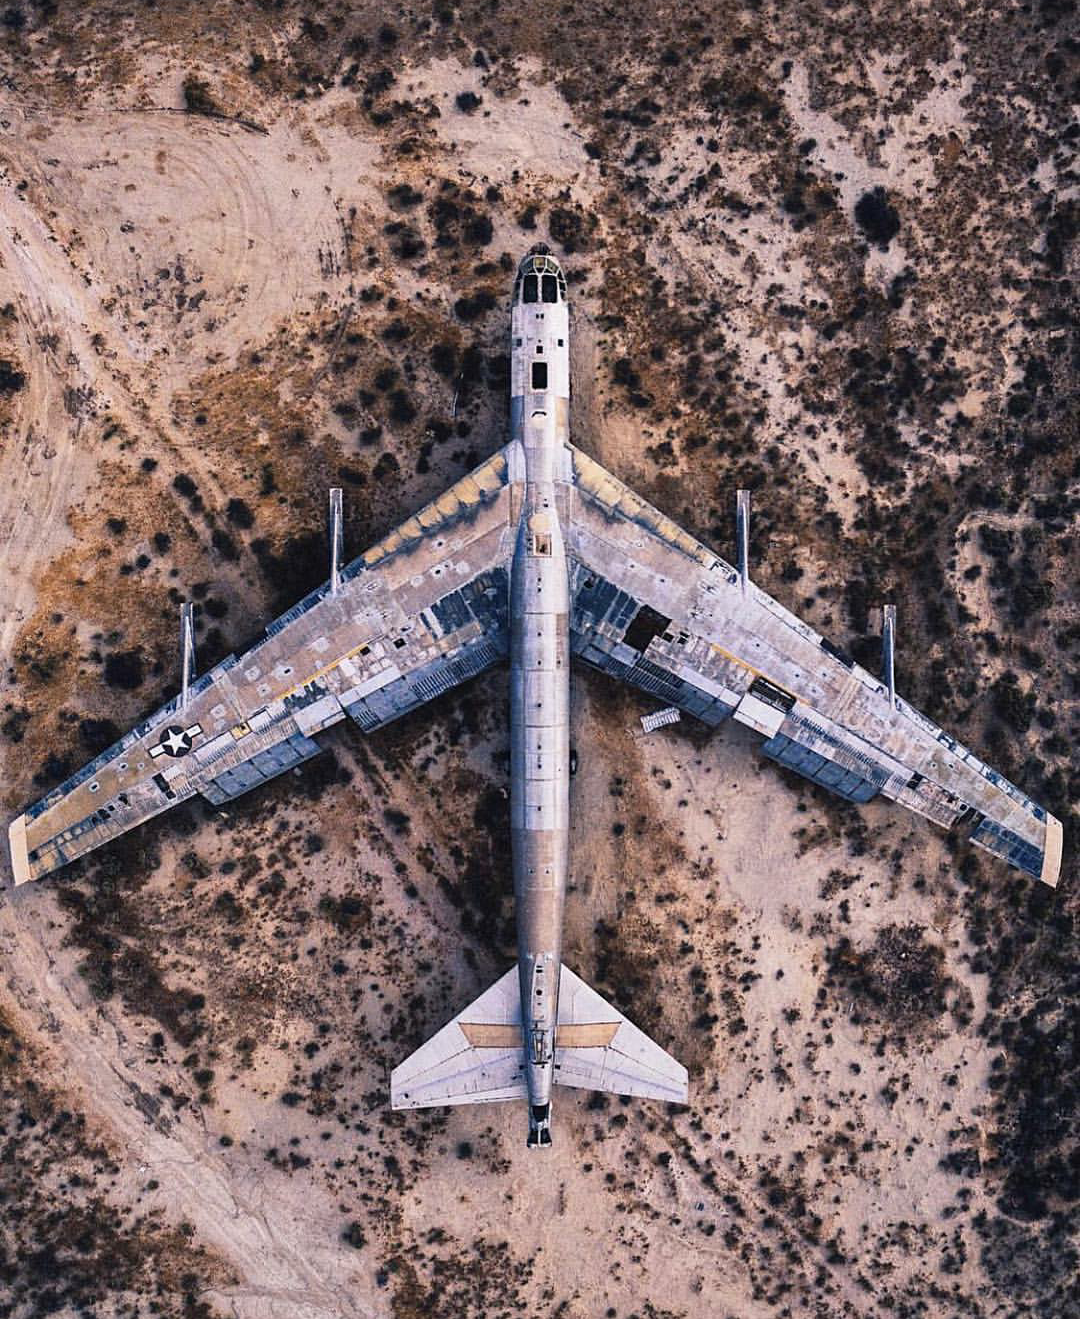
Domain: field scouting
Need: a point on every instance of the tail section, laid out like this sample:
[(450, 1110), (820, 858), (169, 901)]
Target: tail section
[(478, 1058), (539, 1126)]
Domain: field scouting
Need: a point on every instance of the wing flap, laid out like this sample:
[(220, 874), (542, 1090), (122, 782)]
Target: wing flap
[(259, 768)]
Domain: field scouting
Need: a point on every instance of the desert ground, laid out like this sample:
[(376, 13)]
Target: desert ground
[(824, 251)]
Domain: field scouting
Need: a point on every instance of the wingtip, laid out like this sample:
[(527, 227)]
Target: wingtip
[(681, 1083), (1051, 866), (20, 860), (399, 1094)]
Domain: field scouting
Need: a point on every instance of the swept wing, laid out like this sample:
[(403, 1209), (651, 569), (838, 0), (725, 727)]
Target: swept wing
[(652, 605), (418, 613)]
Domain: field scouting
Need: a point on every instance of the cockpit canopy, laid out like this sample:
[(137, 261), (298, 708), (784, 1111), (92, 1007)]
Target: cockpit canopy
[(540, 279)]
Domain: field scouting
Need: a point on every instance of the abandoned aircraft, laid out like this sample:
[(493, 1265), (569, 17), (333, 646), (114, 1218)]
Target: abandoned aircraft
[(538, 555)]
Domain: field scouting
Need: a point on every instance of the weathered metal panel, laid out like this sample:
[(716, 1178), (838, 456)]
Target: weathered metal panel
[(756, 714), (1009, 846), (660, 719), (319, 714)]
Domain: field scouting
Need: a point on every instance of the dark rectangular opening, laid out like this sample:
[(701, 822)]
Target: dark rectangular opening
[(968, 822), (550, 288), (529, 289), (539, 375), (837, 654), (645, 625), (772, 695), (160, 781)]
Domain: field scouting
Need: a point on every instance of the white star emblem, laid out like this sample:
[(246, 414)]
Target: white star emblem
[(176, 742)]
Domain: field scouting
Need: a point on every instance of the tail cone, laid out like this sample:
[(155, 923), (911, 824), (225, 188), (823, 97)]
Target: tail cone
[(539, 1126)]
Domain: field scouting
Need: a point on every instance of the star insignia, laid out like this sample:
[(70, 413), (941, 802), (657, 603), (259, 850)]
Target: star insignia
[(175, 741)]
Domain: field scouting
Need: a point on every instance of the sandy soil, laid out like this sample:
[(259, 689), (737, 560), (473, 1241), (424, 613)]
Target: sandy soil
[(206, 321)]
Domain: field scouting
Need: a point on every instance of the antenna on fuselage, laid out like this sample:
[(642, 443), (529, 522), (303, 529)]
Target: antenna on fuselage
[(742, 535), (187, 651), (336, 539), (888, 646)]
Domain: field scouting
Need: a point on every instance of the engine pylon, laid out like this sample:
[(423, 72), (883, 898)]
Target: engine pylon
[(337, 539), (187, 650), (888, 646), (742, 535)]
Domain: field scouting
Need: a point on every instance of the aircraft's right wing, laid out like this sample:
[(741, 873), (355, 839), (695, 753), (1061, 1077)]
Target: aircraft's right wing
[(655, 607), (421, 611)]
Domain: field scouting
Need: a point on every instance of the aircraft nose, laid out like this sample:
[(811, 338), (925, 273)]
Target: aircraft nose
[(530, 261), (540, 278)]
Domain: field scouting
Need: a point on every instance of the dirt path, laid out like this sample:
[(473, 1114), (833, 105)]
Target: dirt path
[(49, 454), (83, 362), (285, 1258)]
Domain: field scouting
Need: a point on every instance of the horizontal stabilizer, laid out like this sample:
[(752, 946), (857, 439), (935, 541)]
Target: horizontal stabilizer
[(596, 1048), (478, 1057), (475, 1059)]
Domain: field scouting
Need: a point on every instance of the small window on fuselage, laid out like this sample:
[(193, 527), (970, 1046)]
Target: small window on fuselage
[(529, 289), (550, 288), (539, 375)]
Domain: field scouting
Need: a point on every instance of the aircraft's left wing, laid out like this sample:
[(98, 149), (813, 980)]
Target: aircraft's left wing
[(421, 611), (652, 605)]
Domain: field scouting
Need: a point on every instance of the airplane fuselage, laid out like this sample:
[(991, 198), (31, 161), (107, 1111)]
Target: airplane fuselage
[(540, 668)]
